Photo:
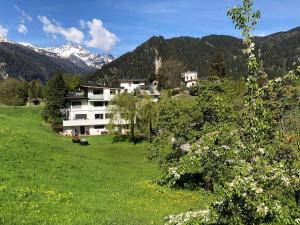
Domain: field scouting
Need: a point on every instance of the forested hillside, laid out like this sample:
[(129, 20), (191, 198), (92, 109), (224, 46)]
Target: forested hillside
[(278, 53)]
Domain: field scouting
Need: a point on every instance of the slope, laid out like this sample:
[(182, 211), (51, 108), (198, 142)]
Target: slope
[(45, 179)]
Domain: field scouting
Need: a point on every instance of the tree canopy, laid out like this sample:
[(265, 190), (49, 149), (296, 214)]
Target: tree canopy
[(170, 74)]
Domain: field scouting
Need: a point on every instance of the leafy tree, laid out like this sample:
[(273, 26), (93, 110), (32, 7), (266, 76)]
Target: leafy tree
[(170, 74), (13, 92), (148, 117), (217, 68), (35, 89), (124, 110), (177, 124), (54, 95), (138, 113), (71, 81), (255, 168)]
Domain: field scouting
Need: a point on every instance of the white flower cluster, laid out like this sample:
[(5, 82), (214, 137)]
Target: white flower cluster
[(183, 218), (250, 49), (246, 184), (262, 209), (174, 173)]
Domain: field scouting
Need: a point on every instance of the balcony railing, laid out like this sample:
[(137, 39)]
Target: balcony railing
[(76, 94), (96, 97), (87, 122)]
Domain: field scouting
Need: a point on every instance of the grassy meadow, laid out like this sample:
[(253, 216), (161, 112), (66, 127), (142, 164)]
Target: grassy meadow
[(46, 179)]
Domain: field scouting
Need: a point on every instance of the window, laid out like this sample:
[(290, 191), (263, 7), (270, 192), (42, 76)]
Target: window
[(136, 82), (76, 104), (107, 116), (98, 92), (98, 116), (99, 127), (106, 103), (98, 104), (112, 91), (80, 116)]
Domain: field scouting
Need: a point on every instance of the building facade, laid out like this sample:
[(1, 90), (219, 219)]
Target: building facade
[(190, 78), (87, 111), (129, 85)]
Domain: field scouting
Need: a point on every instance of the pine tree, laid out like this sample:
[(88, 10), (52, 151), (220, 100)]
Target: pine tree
[(217, 68), (54, 95)]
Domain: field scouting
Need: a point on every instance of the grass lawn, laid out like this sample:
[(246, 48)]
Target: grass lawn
[(45, 179)]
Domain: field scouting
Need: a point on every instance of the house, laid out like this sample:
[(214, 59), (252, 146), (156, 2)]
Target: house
[(87, 111), (190, 78), (130, 85)]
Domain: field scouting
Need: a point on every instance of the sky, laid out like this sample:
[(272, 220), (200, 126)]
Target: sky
[(119, 26)]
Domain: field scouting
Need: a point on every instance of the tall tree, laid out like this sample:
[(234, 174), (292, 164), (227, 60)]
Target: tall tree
[(124, 111), (170, 74), (138, 113), (217, 68), (148, 117), (54, 95)]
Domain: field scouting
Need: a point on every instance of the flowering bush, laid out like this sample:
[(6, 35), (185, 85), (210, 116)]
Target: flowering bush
[(253, 167)]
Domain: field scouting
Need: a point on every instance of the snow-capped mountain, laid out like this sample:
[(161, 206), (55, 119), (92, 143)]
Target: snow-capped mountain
[(76, 54), (73, 51)]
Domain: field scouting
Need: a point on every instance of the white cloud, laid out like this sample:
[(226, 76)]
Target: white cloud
[(100, 37), (82, 24), (70, 34), (24, 17), (22, 29), (3, 31)]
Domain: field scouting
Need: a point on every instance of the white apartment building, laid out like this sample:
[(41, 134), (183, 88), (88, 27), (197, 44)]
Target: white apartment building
[(87, 110), (190, 78)]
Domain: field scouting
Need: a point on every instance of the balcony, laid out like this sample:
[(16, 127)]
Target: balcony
[(96, 97), (76, 95), (83, 122)]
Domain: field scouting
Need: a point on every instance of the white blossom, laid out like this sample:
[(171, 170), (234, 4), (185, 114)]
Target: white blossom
[(262, 209)]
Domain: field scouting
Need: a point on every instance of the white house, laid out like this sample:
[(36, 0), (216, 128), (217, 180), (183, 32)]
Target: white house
[(87, 110), (129, 85), (190, 78)]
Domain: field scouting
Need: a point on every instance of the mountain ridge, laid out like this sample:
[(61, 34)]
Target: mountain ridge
[(277, 53), (26, 61)]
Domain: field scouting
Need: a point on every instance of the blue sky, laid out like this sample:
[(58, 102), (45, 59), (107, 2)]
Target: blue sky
[(118, 26)]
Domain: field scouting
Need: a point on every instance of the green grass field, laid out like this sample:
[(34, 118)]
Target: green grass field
[(46, 179)]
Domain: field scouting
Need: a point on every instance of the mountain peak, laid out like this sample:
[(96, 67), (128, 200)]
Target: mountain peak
[(74, 53)]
